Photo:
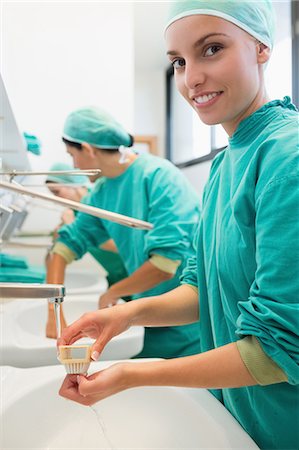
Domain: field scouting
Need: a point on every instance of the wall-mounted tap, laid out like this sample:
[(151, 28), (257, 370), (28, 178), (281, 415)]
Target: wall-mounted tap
[(101, 213), (55, 293), (22, 173)]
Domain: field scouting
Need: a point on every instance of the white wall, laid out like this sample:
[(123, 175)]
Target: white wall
[(57, 56)]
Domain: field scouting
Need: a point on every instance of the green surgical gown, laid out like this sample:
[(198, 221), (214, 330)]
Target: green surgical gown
[(248, 264), (154, 190), (110, 261)]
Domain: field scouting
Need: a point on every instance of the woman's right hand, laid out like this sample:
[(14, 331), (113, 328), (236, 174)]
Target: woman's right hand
[(101, 325)]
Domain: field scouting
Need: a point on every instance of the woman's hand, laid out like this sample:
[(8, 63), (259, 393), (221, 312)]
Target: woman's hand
[(101, 325), (67, 216), (108, 299), (88, 390)]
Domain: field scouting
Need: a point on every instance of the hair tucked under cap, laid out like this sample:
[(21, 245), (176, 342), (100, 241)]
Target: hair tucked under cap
[(96, 127), (255, 17)]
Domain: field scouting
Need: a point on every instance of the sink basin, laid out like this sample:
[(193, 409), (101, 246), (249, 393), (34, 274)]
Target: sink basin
[(24, 344), (141, 418), (84, 282)]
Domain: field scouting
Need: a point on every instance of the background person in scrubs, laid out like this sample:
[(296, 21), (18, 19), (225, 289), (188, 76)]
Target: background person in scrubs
[(246, 269), (141, 186), (77, 188)]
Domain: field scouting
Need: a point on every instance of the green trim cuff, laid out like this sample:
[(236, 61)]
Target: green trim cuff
[(62, 250), (165, 264), (262, 368)]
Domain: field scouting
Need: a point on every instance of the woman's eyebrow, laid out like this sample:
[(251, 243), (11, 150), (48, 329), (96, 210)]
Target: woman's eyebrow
[(199, 42)]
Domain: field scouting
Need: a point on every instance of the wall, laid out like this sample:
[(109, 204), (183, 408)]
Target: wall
[(57, 56)]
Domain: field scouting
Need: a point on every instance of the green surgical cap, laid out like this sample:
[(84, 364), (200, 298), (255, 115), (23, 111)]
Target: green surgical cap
[(255, 17), (96, 127), (79, 180)]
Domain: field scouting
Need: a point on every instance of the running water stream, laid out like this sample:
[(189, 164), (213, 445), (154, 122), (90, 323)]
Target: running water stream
[(57, 319)]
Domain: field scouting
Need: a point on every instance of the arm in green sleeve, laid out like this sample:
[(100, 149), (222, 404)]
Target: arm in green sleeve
[(85, 232), (189, 275), (271, 311), (62, 250), (174, 212), (165, 264)]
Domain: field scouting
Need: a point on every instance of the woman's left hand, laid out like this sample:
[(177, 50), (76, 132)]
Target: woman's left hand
[(108, 299), (88, 390)]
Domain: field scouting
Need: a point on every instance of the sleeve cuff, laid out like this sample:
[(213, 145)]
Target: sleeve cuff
[(62, 250), (165, 264), (262, 368)]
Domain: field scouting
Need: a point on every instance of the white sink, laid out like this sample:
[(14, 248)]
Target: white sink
[(24, 344), (84, 282), (35, 417)]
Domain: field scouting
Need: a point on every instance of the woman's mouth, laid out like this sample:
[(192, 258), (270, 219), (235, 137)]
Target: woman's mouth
[(206, 99)]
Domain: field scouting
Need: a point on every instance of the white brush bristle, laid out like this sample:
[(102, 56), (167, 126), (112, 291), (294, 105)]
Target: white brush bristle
[(76, 368)]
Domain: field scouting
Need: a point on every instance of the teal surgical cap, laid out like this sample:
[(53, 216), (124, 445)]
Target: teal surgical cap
[(255, 17), (96, 127), (79, 180)]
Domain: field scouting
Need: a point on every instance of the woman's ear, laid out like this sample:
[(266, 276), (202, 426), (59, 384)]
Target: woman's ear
[(263, 53), (88, 149)]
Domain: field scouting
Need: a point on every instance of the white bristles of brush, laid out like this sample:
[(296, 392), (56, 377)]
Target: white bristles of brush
[(77, 367)]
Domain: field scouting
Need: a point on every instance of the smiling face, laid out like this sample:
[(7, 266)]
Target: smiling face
[(217, 69)]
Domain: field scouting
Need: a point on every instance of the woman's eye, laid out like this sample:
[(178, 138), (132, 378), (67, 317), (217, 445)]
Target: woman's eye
[(210, 51), (178, 63)]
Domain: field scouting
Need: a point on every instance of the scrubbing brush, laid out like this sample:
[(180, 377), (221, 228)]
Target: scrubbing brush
[(75, 358)]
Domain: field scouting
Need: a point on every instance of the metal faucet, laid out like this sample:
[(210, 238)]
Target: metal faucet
[(76, 172), (97, 212), (55, 293)]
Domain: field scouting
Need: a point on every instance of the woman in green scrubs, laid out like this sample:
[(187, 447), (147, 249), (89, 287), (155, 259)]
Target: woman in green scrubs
[(246, 267), (141, 186), (77, 188)]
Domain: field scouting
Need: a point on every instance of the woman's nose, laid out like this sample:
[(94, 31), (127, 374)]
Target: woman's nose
[(194, 76)]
